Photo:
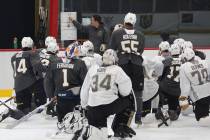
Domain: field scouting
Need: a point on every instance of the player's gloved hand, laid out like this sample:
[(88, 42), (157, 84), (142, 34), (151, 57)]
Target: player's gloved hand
[(183, 102), (51, 108)]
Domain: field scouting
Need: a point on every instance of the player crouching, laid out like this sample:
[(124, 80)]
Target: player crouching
[(106, 91), (194, 82)]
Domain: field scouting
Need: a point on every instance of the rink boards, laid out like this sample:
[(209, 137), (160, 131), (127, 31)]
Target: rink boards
[(6, 72)]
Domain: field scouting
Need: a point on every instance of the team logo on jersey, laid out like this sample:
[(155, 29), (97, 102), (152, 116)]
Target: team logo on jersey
[(146, 21)]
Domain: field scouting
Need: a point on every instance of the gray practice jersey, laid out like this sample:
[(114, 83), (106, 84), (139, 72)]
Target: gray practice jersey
[(64, 78), (42, 59), (170, 81), (194, 80), (129, 45), (22, 65)]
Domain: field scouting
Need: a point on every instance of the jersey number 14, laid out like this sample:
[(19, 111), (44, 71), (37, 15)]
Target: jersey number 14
[(21, 67)]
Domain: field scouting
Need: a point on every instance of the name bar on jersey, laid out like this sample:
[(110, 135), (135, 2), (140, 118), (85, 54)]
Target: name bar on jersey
[(127, 36), (195, 67), (64, 65)]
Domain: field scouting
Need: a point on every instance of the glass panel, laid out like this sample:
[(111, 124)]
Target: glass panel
[(165, 6), (109, 6)]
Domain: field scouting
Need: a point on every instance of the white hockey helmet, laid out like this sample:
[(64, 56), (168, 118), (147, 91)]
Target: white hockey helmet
[(27, 42), (52, 47), (179, 40), (109, 57), (49, 39), (188, 54), (164, 46), (117, 27), (87, 48), (130, 18), (175, 49), (187, 44)]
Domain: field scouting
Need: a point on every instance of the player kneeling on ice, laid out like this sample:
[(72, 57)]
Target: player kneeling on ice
[(106, 91), (63, 80), (194, 82)]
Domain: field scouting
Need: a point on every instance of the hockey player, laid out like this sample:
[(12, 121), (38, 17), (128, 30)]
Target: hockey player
[(164, 47), (106, 91), (47, 58), (88, 55), (64, 79), (129, 44), (198, 54), (153, 69), (41, 58), (24, 77), (194, 82), (169, 82)]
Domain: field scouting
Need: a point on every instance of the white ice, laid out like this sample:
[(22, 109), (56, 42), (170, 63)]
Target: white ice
[(39, 128)]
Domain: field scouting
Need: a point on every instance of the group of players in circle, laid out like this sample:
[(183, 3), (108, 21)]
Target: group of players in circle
[(106, 85)]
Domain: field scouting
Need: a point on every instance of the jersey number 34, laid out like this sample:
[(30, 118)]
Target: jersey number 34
[(100, 82)]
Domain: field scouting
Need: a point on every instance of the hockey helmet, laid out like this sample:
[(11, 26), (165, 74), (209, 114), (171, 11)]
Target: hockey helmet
[(87, 48), (49, 39), (188, 54), (164, 46), (53, 47), (130, 18), (73, 50), (175, 49), (27, 42), (109, 57)]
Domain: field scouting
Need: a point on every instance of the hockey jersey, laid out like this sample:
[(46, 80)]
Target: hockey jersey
[(43, 60), (22, 64), (64, 78), (170, 81), (194, 79), (129, 45), (103, 85), (96, 59), (153, 68)]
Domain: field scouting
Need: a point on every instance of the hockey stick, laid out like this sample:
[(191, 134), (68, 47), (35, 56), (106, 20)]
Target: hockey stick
[(26, 117), (2, 103), (163, 119)]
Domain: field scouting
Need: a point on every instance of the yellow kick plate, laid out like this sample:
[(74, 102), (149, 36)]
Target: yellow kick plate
[(6, 92)]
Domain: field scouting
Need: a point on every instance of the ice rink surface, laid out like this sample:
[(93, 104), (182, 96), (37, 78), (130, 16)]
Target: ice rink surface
[(38, 127)]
